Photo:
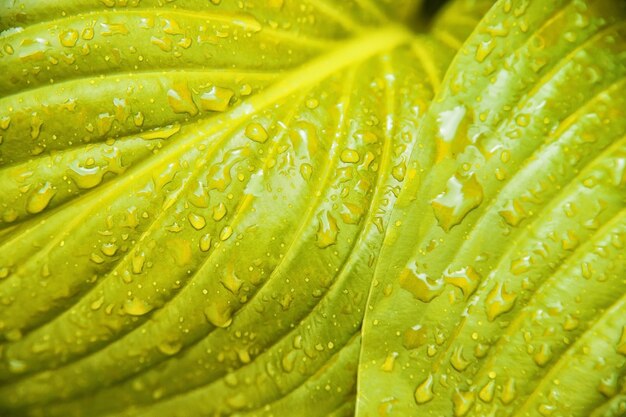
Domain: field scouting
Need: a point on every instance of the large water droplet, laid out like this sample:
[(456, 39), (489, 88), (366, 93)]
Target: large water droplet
[(40, 199), (461, 196), (420, 284)]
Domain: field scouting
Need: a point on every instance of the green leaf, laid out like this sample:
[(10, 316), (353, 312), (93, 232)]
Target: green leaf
[(213, 208), (194, 197), (500, 286)]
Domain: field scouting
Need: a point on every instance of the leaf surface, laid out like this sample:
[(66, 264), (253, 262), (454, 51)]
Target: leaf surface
[(500, 286), (194, 198)]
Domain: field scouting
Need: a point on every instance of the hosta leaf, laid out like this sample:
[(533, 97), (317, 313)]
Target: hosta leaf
[(500, 285), (194, 196)]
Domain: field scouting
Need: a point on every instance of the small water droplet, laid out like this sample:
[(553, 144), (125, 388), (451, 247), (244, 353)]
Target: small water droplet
[(138, 260), (205, 243), (226, 232), (306, 170), (109, 249), (169, 348), (136, 307), (256, 132)]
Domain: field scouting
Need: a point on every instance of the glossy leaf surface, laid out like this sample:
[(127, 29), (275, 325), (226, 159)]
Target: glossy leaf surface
[(274, 208)]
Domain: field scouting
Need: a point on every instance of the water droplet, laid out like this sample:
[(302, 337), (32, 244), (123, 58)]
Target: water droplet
[(86, 177), (205, 243), (35, 126), (424, 392), (498, 301), (219, 211), (349, 156), (463, 401), (306, 170), (40, 199), (390, 360), (138, 259), (256, 132), (462, 195), (5, 121), (87, 33), (110, 29), (169, 348), (180, 100), (543, 355), (96, 304), (399, 171), (69, 38), (226, 232), (312, 103), (466, 279), (327, 230), (487, 392), (232, 282), (197, 221), (414, 337), (457, 360), (509, 392), (219, 313), (171, 27), (351, 213), (289, 360), (484, 49), (216, 99), (513, 213), (420, 285), (109, 249), (136, 307)]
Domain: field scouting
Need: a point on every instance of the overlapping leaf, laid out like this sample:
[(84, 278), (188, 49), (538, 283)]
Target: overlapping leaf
[(500, 289), (194, 197)]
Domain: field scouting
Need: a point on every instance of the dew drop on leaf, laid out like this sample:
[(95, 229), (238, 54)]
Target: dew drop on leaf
[(461, 196), (40, 199), (420, 285), (256, 132), (424, 392), (216, 99)]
